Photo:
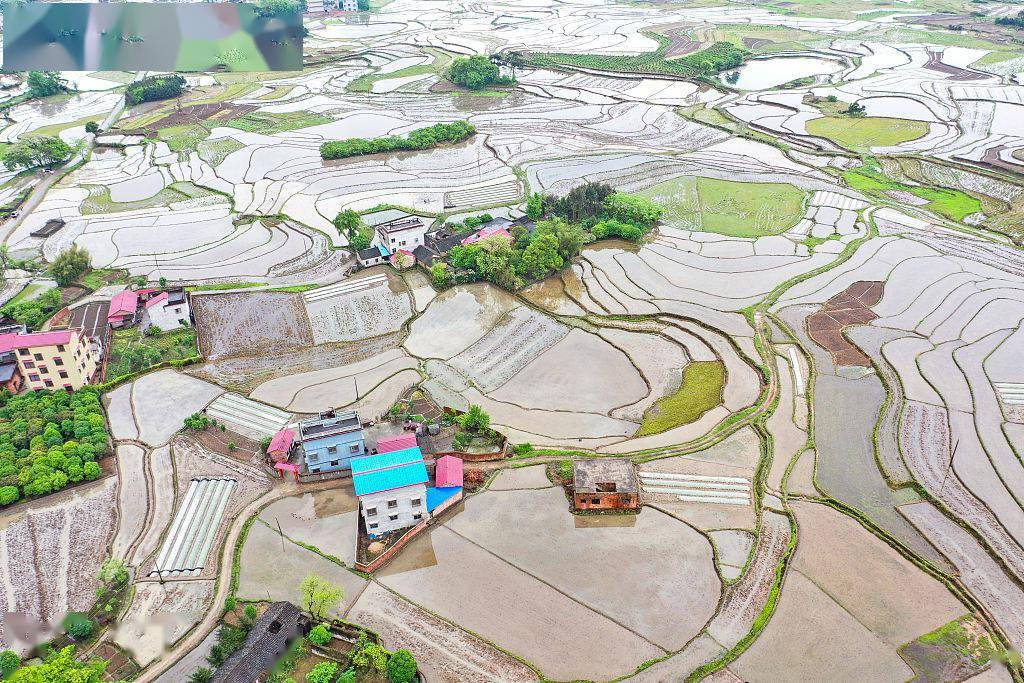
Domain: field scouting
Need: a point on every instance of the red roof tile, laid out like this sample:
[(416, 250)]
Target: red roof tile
[(159, 298), (448, 472), (124, 303), (396, 443), (9, 342)]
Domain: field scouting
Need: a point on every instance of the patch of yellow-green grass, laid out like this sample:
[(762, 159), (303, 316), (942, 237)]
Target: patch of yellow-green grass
[(861, 133), (223, 286), (55, 129), (700, 391), (99, 200), (439, 65), (949, 202), (778, 38), (223, 93), (95, 278), (184, 137), (214, 152), (728, 207), (277, 92), (269, 123)]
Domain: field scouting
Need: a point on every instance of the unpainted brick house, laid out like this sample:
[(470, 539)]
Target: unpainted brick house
[(605, 484)]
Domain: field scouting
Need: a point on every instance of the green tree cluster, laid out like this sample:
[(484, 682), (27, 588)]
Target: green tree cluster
[(49, 441), (92, 127), (70, 265), (9, 662), (197, 422), (553, 243), (470, 223), (421, 138), (61, 667), (35, 151), (350, 224), (631, 208), (323, 672), (476, 72), (1017, 20), (44, 83), (280, 8), (151, 88), (33, 312)]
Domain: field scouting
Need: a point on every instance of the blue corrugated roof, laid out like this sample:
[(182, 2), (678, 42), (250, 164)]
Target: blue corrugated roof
[(382, 461), (383, 251), (436, 496), (393, 478)]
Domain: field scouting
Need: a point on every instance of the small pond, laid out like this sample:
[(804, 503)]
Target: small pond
[(761, 74)]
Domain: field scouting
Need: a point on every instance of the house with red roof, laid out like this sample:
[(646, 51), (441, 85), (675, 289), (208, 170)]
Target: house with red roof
[(398, 442), (488, 231), (124, 308), (280, 447)]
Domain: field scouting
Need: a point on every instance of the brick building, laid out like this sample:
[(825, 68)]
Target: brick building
[(605, 484)]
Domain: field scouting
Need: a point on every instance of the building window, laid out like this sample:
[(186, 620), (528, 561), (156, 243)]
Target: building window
[(393, 518), (392, 504), (595, 501), (416, 502), (63, 375), (42, 369), (371, 512), (29, 363), (23, 352), (38, 356), (334, 463), (354, 448), (47, 382), (60, 348), (58, 361), (374, 525), (34, 378), (68, 387), (332, 449), (314, 470), (418, 515)]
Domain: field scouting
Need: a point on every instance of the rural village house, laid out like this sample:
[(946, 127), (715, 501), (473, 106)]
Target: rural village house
[(166, 310), (60, 359), (329, 442), (268, 640), (391, 488), (605, 484)]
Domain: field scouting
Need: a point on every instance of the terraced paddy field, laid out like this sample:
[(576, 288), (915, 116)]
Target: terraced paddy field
[(812, 359)]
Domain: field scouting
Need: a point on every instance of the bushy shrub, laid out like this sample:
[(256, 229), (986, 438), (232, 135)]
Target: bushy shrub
[(631, 208), (402, 667), (319, 635), (9, 662), (197, 422), (323, 672)]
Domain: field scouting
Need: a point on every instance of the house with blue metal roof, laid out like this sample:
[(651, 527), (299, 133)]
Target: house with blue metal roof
[(391, 488)]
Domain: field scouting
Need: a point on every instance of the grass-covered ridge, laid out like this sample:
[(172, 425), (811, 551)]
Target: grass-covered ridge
[(718, 57), (700, 391)]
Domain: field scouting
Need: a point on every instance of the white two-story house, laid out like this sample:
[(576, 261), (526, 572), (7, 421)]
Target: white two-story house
[(392, 490)]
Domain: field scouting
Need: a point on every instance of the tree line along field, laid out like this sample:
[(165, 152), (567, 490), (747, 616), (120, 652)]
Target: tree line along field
[(49, 441)]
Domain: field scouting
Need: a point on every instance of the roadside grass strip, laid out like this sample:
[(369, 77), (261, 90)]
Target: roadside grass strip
[(194, 528), (693, 488), (237, 410)]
